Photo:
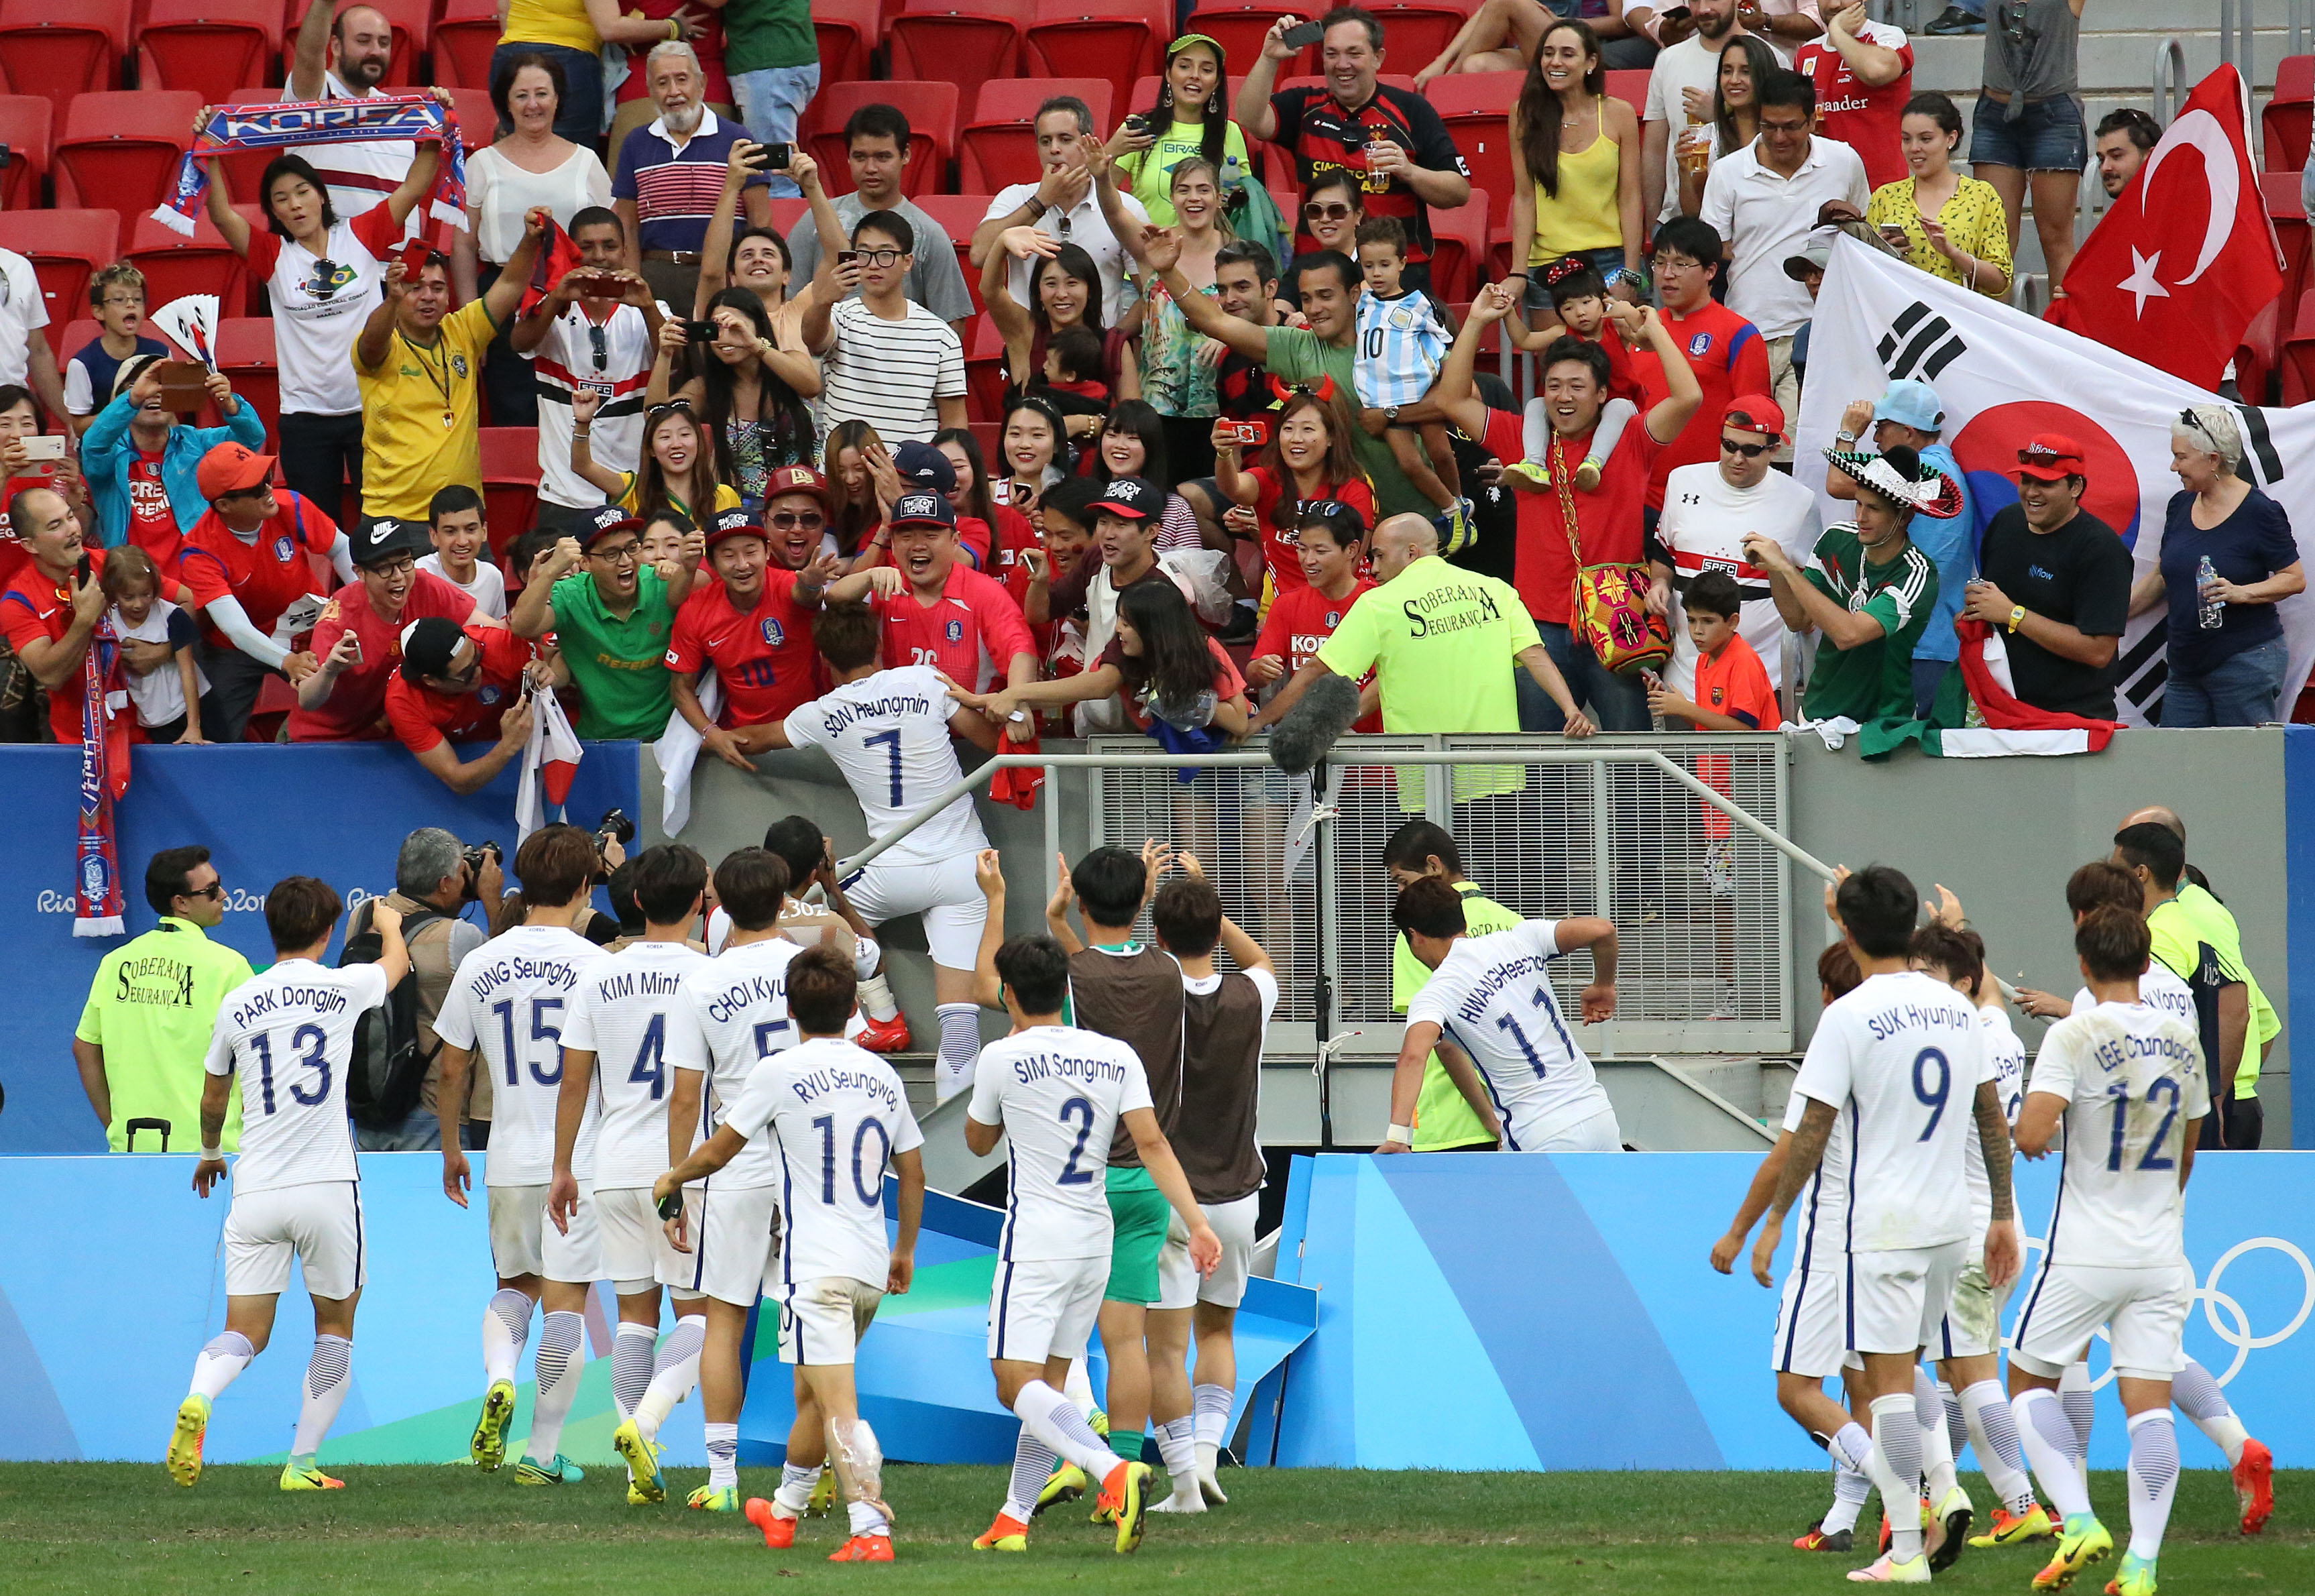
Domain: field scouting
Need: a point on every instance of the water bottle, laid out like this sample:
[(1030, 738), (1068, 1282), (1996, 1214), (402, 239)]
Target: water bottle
[(2213, 612)]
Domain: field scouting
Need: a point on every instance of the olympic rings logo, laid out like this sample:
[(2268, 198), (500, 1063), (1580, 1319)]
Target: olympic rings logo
[(2234, 1327)]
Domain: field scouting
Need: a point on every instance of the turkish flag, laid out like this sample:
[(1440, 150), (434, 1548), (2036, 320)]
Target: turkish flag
[(2186, 256)]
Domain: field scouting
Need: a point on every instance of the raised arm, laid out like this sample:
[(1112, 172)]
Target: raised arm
[(1255, 113), (504, 295), (420, 183), (532, 615), (1014, 323), (1161, 253), (988, 871), (1456, 392), (310, 51), (227, 221), (376, 337)]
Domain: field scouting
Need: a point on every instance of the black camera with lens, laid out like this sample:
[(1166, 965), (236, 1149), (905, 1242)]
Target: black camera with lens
[(475, 857), (614, 827)]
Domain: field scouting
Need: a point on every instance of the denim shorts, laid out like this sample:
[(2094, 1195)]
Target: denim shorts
[(2048, 135)]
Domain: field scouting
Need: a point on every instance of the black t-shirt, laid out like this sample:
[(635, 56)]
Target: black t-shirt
[(2078, 574), (1325, 137)]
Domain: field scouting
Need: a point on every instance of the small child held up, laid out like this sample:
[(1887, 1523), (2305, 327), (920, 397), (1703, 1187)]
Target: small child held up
[(1403, 339), (1580, 301), (167, 690), (1073, 372)]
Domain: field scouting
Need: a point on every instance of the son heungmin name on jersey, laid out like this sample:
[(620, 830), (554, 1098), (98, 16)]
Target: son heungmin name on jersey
[(1913, 1016), (1045, 1065), (836, 715)]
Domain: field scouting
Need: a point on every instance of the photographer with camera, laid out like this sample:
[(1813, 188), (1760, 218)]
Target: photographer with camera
[(435, 877), (612, 835)]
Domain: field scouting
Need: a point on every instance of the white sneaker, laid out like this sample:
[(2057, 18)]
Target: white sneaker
[(1886, 1570)]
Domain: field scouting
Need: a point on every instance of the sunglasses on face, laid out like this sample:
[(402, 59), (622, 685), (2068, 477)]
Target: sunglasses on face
[(789, 520), (216, 889), (1751, 451), (1334, 212)]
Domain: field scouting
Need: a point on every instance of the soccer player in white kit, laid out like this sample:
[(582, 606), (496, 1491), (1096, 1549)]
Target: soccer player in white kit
[(1898, 1059), (734, 1013), (619, 1020), (888, 732), (1056, 1094), (507, 1004), (288, 1035), (1489, 996), (834, 1114), (2129, 1084)]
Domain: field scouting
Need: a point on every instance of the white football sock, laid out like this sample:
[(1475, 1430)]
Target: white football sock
[(1895, 1464), (1210, 1409), (559, 1356), (723, 1457), (1055, 1419), (795, 1493), (506, 1326), (1033, 1465), (1078, 1388), (960, 1045), (220, 1363), (2080, 1405), (1177, 1445), (2198, 1396), (631, 1365), (1937, 1450), (1849, 1447), (867, 1519), (2153, 1479), (1993, 1433), (876, 997), (2048, 1438), (674, 1371), (328, 1372)]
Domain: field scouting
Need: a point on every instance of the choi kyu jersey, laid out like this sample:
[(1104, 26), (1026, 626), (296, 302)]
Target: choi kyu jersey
[(1901, 1058), (2007, 1057), (288, 1034), (508, 1005), (1059, 1092), (1491, 996), (736, 1005), (888, 733), (837, 1114), (2132, 1077), (622, 1014)]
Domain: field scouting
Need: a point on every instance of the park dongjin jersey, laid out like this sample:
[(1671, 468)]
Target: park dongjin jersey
[(2132, 1077), (508, 1004), (1906, 1052), (888, 735), (629, 1012), (2007, 1056), (289, 1034), (1490, 995), (837, 1113), (738, 1008), (1059, 1092)]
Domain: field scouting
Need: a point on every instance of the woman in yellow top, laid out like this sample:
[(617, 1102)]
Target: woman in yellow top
[(1575, 163), (679, 468), (1191, 119), (1947, 225), (573, 32)]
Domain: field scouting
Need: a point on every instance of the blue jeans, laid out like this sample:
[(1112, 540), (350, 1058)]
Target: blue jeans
[(1615, 703), (2048, 135), (579, 113), (2240, 690), (421, 1133), (772, 101)]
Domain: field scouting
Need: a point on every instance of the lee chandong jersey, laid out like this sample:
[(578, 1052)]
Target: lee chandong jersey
[(288, 1034), (2132, 1080)]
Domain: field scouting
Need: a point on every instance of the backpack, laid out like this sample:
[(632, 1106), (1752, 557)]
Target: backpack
[(389, 1066)]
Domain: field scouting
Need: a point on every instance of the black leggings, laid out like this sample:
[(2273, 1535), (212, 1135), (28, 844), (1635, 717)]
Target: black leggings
[(320, 454)]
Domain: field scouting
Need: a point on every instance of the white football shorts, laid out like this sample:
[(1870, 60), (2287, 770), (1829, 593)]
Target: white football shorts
[(525, 1241), (1178, 1285), (1972, 1323), (637, 1253), (1812, 1329), (1045, 1307), (2143, 1310), (734, 1233), (947, 895), (1898, 1296), (823, 1320), (320, 1224), (1595, 1133)]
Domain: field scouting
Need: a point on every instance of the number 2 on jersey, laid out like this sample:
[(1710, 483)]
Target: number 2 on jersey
[(1081, 1111), (891, 740), (2152, 1157)]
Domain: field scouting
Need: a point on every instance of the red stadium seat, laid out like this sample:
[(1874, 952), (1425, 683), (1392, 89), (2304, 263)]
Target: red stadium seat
[(124, 149), (57, 49), (1630, 86), (959, 215), (2284, 126), (1239, 29), (1114, 41), (510, 482), (1459, 249), (65, 248), (984, 371), (245, 356), (849, 32), (1476, 106), (1416, 32), (1000, 146), (931, 110), (2299, 354), (209, 46), (478, 119), (175, 265), (26, 122), (465, 34), (933, 40), (413, 21), (788, 215), (2280, 189)]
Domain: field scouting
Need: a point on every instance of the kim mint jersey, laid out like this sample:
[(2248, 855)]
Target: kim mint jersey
[(2132, 1079), (1900, 1057), (888, 733), (835, 1113), (1059, 1092), (736, 1008), (622, 1014), (1491, 998), (288, 1034), (2159, 987), (2007, 1055), (507, 1006)]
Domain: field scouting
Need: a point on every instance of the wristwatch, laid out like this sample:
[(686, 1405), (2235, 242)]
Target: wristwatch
[(1390, 413), (1846, 437), (2016, 617)]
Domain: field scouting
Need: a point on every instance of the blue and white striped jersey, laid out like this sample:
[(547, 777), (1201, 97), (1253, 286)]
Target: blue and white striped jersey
[(1402, 342)]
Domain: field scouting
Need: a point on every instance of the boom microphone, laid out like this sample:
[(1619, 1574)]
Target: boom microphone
[(1304, 734)]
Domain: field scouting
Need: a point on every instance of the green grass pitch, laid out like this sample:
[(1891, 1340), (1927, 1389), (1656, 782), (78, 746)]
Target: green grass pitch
[(124, 1528)]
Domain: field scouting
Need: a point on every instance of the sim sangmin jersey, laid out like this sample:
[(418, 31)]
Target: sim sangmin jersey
[(2132, 1080), (837, 1115), (971, 633), (507, 1006), (737, 1007), (1900, 1058), (1059, 1092), (888, 733), (289, 1033), (1491, 998), (1401, 343), (629, 1013), (2007, 1056)]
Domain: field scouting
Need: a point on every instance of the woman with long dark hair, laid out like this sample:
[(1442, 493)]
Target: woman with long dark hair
[(1745, 63), (681, 466), (1002, 531), (1190, 119), (1180, 365), (746, 388), (1308, 457), (1575, 160), (851, 450), (1037, 451), (1162, 665), (1133, 443), (1065, 291)]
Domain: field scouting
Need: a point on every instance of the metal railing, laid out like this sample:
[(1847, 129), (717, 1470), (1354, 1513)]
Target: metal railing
[(2170, 75), (2235, 25)]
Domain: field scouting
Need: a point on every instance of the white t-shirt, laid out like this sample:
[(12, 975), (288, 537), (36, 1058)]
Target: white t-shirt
[(2132, 1078), (1906, 1053), (837, 1114), (1059, 1092), (736, 1004), (888, 733), (360, 175), (160, 694), (1691, 64), (889, 373), (488, 589), (289, 1033), (507, 1006), (622, 1014), (1703, 529), (564, 361), (22, 313), (1491, 998), (1765, 217), (2006, 1054), (1089, 230), (2159, 987), (319, 307)]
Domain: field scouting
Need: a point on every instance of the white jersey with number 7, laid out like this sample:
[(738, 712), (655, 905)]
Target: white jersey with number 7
[(888, 733)]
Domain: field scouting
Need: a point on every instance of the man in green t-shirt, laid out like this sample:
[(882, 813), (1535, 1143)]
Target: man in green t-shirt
[(771, 54), (1869, 589), (1445, 1119), (143, 1037), (611, 620)]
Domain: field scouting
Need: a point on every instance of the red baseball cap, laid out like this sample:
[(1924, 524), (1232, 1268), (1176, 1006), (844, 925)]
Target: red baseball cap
[(1755, 413), (231, 468), (799, 479), (2050, 457)]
